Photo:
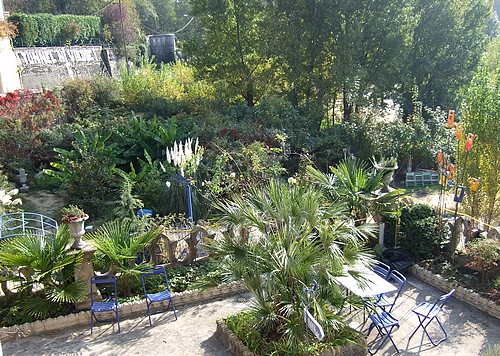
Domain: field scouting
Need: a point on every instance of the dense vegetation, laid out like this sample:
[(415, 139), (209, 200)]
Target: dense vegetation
[(273, 92)]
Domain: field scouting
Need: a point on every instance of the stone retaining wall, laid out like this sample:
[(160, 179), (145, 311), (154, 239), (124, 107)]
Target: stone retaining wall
[(48, 67), (465, 295), (126, 310)]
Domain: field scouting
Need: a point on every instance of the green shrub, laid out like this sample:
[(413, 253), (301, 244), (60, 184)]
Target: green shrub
[(420, 234), (77, 94), (87, 172), (390, 230), (49, 30), (106, 91), (86, 98), (486, 257)]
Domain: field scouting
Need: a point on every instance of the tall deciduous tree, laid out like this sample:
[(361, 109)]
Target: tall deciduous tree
[(481, 112), (447, 43), (233, 45)]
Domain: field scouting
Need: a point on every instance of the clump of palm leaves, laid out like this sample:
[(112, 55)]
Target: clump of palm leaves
[(118, 243), (296, 236), (356, 184), (42, 271)]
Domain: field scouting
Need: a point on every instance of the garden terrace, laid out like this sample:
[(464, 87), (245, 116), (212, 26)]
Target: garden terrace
[(470, 331)]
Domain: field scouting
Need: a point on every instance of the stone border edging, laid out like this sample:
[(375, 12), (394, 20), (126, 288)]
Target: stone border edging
[(126, 310), (237, 348), (465, 295)]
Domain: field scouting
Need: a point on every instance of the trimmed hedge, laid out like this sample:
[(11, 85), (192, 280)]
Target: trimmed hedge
[(43, 30)]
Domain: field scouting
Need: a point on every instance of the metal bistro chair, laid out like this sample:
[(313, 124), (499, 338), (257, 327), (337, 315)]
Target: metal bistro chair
[(387, 303), (159, 297), (428, 312), (381, 269), (105, 306), (385, 324)]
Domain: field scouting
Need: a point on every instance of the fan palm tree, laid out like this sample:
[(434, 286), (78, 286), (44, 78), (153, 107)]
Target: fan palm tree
[(357, 184), (43, 271), (295, 237), (118, 243)]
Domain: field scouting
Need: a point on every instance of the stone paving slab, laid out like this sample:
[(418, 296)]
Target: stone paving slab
[(193, 333), (470, 331)]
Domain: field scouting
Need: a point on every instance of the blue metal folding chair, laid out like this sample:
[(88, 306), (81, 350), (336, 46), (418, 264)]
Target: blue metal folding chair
[(428, 312), (387, 302), (109, 305), (385, 324), (158, 297), (381, 269)]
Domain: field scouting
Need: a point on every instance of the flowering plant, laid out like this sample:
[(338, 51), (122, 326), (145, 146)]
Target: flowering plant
[(24, 114), (6, 200), (185, 156)]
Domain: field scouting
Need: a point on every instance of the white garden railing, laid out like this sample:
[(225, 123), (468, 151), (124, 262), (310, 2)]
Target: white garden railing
[(14, 224)]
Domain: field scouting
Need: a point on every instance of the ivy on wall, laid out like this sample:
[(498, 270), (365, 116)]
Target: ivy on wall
[(55, 30)]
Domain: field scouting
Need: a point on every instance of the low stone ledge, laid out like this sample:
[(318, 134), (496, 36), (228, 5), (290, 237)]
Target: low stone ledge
[(126, 310), (465, 295), (237, 348)]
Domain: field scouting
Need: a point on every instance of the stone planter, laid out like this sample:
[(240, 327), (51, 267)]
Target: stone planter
[(77, 230), (237, 348)]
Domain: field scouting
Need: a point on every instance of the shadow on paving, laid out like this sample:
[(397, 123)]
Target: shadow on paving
[(470, 331)]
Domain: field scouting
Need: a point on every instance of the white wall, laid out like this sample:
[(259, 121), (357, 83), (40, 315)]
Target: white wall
[(9, 76)]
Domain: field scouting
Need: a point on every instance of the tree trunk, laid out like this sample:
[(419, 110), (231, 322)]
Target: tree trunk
[(347, 105)]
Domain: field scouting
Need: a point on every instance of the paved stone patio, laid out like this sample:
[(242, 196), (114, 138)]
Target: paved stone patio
[(470, 331)]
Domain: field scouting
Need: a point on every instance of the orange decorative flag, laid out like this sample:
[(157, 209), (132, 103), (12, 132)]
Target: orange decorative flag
[(451, 118), (460, 129), (474, 184), (469, 142), (451, 170), (440, 158)]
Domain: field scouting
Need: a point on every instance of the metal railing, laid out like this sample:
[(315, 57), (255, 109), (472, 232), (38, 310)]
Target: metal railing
[(14, 224)]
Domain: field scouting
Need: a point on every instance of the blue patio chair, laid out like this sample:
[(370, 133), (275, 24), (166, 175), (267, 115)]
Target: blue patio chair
[(381, 269), (109, 305), (387, 302), (159, 297), (385, 324), (428, 312)]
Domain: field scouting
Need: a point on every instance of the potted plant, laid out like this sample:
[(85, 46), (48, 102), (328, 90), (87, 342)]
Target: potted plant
[(75, 218)]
